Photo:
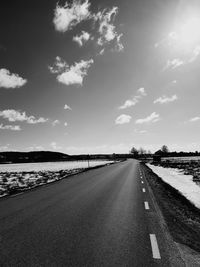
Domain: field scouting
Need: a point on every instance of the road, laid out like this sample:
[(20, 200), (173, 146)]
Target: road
[(101, 217)]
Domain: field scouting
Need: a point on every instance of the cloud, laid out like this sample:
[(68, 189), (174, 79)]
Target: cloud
[(69, 15), (67, 107), (81, 39), (165, 99), (14, 115), (195, 54), (173, 64), (10, 80), (119, 46), (101, 51), (122, 119), (36, 148), (154, 117), (5, 148), (107, 29), (71, 74), (10, 127), (106, 26), (141, 91), (194, 119), (140, 131), (54, 146), (132, 102), (56, 122)]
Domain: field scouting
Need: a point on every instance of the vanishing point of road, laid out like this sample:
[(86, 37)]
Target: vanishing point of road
[(102, 217)]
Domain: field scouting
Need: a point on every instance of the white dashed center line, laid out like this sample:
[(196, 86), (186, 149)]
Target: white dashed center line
[(143, 190), (154, 246), (146, 205), (142, 182)]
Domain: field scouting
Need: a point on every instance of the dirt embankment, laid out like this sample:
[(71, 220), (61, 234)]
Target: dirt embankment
[(181, 216)]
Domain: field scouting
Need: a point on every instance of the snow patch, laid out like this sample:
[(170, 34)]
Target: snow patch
[(183, 183)]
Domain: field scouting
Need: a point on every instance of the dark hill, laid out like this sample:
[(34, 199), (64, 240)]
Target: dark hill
[(34, 156)]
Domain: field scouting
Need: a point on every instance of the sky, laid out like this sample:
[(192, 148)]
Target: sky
[(85, 77)]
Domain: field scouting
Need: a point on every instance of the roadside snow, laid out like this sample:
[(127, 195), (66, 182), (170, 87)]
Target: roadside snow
[(183, 183)]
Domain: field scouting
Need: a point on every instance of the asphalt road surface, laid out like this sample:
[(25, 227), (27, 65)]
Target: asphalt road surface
[(103, 217)]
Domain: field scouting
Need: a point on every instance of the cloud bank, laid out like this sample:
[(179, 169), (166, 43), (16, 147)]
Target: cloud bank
[(14, 115), (10, 127)]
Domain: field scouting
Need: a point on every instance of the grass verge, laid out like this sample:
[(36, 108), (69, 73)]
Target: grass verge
[(181, 216)]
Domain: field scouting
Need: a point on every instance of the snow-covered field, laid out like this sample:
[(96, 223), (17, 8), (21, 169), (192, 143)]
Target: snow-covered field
[(15, 178), (50, 166), (180, 159), (183, 183)]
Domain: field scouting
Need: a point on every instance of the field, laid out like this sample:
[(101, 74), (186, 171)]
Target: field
[(181, 173), (15, 178)]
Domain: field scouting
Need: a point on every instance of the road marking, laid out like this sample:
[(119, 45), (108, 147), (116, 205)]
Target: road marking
[(142, 182), (143, 190), (154, 247), (146, 205)]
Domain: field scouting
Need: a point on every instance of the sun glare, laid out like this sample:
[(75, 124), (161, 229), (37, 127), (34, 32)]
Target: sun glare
[(190, 31), (187, 35)]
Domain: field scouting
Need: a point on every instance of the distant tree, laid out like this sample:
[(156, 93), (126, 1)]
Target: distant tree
[(165, 149), (134, 151), (141, 151)]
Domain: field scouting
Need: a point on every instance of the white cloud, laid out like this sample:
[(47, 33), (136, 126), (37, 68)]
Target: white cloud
[(54, 146), (195, 54), (119, 46), (69, 15), (55, 122), (67, 107), (14, 115), (194, 119), (10, 80), (132, 102), (107, 29), (129, 103), (82, 38), (102, 51), (5, 148), (173, 64), (140, 131), (106, 26), (122, 119), (10, 127), (165, 99), (65, 124), (141, 91), (36, 148), (71, 74), (154, 117)]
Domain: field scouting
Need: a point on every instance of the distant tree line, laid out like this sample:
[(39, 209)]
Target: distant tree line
[(162, 152)]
